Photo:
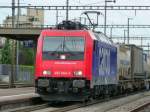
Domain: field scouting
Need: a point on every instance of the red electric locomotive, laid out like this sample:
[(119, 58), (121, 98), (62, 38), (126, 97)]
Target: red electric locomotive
[(67, 65)]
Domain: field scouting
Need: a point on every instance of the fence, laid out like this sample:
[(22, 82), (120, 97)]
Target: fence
[(22, 74), (27, 26)]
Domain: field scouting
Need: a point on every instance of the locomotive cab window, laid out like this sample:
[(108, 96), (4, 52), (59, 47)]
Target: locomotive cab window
[(63, 48)]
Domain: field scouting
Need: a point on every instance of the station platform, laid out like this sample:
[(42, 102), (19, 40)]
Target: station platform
[(16, 91), (17, 94)]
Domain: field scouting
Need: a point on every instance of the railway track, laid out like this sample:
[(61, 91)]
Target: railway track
[(44, 106), (49, 108), (141, 107), (129, 106), (17, 101), (29, 108), (55, 109)]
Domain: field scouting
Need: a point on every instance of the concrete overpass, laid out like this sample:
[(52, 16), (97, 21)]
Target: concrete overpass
[(23, 32), (20, 33)]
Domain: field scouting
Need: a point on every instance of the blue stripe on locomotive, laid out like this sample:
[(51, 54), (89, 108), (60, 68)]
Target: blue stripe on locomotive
[(104, 64)]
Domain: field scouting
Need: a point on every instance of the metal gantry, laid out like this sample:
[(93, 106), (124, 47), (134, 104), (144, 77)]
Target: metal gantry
[(114, 26), (67, 10), (124, 26), (132, 38), (105, 21), (97, 7), (128, 29), (11, 76)]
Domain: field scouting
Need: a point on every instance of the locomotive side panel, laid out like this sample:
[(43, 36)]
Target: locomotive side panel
[(104, 64)]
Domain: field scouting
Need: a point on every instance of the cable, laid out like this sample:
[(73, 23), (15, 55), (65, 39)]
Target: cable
[(81, 3)]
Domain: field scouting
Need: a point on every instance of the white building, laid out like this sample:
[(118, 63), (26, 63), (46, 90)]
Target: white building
[(33, 18), (2, 42)]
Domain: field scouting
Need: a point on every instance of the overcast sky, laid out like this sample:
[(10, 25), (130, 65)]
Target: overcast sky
[(113, 17)]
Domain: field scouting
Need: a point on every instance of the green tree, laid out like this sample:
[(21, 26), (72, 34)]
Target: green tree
[(6, 53), (28, 56)]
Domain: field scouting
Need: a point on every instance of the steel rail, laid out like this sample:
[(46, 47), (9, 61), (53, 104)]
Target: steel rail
[(30, 108), (11, 104), (141, 107)]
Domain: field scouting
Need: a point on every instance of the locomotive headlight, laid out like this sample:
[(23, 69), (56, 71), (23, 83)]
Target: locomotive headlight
[(46, 72), (78, 73)]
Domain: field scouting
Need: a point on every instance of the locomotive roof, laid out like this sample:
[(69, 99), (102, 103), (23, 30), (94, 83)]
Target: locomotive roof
[(101, 37), (94, 35)]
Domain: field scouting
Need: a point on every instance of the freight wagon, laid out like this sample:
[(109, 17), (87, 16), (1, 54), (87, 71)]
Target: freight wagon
[(146, 61), (131, 73)]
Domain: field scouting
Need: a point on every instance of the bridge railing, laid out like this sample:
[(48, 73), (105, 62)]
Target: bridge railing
[(26, 26)]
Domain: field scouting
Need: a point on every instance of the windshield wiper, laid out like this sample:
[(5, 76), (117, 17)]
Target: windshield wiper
[(56, 51), (68, 50)]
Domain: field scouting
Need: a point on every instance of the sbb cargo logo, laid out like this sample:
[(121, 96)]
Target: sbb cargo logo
[(104, 61)]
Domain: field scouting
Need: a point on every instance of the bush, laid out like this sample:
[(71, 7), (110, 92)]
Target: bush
[(6, 53)]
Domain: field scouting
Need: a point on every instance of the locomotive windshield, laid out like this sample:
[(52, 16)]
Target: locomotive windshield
[(63, 48)]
